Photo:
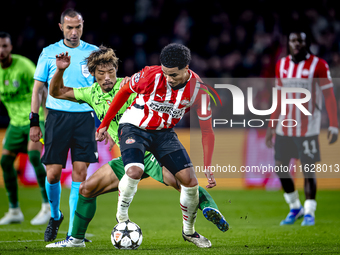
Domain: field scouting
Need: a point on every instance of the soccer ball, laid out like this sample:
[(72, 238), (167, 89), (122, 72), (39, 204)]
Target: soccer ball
[(126, 235)]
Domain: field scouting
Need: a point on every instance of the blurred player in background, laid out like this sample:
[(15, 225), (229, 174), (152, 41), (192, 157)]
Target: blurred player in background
[(16, 86), (103, 65), (69, 125), (301, 69), (165, 93)]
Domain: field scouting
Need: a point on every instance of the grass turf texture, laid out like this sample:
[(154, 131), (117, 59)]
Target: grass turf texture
[(254, 217)]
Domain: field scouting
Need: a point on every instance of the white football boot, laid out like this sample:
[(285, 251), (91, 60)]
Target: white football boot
[(14, 215), (43, 216), (197, 239), (68, 242)]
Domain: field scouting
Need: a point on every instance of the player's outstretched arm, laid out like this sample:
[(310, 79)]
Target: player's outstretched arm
[(57, 88), (208, 142)]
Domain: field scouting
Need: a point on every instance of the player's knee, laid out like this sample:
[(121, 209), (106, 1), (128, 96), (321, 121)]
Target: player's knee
[(34, 157), (85, 189), (187, 177), (7, 162), (134, 172)]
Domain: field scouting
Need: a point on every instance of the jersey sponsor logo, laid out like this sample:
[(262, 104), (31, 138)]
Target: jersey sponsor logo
[(85, 71), (168, 109), (130, 140), (108, 102), (295, 83)]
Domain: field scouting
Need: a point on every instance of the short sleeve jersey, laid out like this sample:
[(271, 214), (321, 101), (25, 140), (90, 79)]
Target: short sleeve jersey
[(159, 106), (100, 102), (16, 86), (312, 74), (76, 75)]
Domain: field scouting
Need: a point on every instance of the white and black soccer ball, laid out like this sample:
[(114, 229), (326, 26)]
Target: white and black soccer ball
[(126, 235)]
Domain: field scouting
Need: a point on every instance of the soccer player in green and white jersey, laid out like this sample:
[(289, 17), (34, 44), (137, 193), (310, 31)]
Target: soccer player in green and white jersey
[(16, 84), (103, 64)]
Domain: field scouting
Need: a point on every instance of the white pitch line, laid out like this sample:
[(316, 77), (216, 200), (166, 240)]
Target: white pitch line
[(25, 241), (27, 230)]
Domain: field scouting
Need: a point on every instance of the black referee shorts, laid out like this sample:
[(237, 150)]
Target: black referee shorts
[(69, 130)]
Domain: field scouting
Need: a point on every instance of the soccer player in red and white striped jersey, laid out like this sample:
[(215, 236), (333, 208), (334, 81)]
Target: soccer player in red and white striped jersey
[(301, 69), (164, 94)]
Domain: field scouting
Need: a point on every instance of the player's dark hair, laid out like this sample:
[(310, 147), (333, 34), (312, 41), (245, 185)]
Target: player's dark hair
[(102, 56), (70, 13), (175, 55), (5, 35), (297, 30)]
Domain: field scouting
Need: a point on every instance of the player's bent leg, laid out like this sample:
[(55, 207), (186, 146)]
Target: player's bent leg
[(79, 173), (290, 195), (133, 159), (210, 210), (34, 152), (310, 202), (14, 214), (206, 202)]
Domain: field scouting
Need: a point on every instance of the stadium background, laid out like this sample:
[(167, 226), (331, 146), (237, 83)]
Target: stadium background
[(227, 40)]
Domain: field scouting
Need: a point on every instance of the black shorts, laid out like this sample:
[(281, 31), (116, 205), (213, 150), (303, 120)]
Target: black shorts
[(69, 130), (161, 143), (304, 148)]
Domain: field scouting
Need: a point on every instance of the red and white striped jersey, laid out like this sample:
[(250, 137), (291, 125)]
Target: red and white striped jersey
[(158, 105), (312, 74)]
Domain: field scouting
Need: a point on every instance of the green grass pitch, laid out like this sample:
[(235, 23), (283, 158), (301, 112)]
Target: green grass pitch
[(254, 217)]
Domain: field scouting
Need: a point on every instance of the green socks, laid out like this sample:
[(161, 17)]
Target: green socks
[(205, 200), (86, 208), (34, 157), (10, 179)]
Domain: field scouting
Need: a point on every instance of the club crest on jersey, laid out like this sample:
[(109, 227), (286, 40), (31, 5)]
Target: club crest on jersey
[(108, 102), (184, 102), (16, 84), (305, 72), (130, 140), (6, 82), (85, 71)]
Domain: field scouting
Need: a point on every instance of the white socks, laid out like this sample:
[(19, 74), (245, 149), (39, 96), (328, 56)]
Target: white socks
[(292, 199), (127, 189), (189, 203), (310, 207)]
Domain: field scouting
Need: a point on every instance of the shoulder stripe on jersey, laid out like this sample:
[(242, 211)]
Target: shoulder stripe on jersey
[(330, 85), (197, 85), (282, 64), (313, 66)]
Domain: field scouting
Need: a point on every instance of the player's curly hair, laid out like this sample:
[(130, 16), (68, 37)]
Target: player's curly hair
[(175, 55), (102, 56)]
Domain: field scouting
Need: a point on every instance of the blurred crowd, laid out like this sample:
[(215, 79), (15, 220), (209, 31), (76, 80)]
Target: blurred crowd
[(228, 39)]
